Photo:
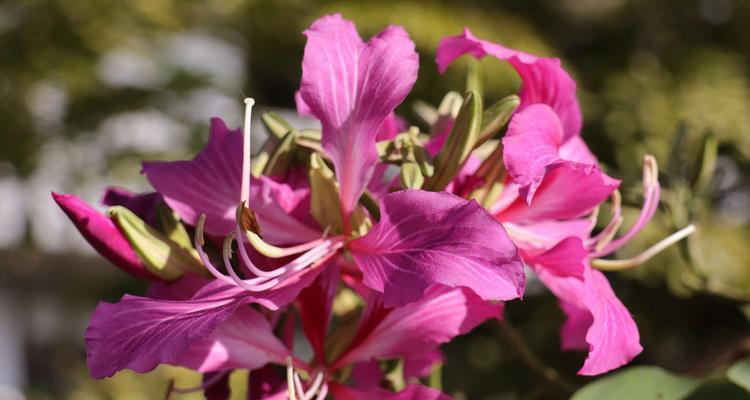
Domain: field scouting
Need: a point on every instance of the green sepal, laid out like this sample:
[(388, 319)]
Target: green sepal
[(324, 201), (707, 164), (276, 126), (411, 176), (170, 224), (459, 144), (496, 116), (492, 173), (161, 256), (283, 155)]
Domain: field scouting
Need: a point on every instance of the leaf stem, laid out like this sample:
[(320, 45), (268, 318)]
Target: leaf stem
[(505, 329)]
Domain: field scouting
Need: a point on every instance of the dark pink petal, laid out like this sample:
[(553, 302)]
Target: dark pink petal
[(392, 126), (531, 144), (208, 184), (282, 211), (425, 238), (612, 335), (418, 328), (315, 304), (367, 374), (566, 259), (267, 384), (141, 204), (575, 149), (140, 333), (245, 340), (543, 235), (569, 190), (544, 79), (422, 365), (411, 392), (103, 235), (352, 87)]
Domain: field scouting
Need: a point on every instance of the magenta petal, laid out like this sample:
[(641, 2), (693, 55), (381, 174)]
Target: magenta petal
[(569, 190), (209, 184), (530, 145), (417, 328), (612, 335), (422, 365), (352, 87), (411, 392), (544, 79), (575, 149), (425, 238), (267, 384), (141, 204), (566, 259), (140, 333), (245, 340), (103, 235), (279, 208)]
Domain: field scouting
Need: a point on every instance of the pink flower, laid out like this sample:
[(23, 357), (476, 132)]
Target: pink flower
[(246, 340), (552, 187), (423, 239)]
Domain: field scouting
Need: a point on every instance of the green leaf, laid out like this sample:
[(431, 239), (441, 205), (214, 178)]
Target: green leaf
[(642, 383), (160, 255), (459, 144), (739, 373)]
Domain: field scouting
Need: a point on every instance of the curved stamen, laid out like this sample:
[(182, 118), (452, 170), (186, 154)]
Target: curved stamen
[(616, 265), (290, 379), (272, 251), (651, 191), (323, 392), (314, 387), (245, 188), (609, 231), (298, 386)]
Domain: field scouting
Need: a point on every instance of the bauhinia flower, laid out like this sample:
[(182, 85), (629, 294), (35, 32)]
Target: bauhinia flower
[(551, 189), (247, 340), (421, 239)]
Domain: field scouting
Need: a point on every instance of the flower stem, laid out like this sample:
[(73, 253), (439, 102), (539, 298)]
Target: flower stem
[(505, 329)]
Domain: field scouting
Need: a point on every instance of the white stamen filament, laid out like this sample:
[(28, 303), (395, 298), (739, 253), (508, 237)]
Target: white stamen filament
[(290, 379), (245, 190), (295, 388), (274, 277), (614, 265), (651, 192)]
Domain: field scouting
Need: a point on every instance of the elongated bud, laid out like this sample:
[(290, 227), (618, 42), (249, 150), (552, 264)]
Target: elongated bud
[(324, 201), (459, 144), (496, 116), (474, 76), (492, 175), (276, 126), (161, 256), (170, 224), (411, 176), (283, 155)]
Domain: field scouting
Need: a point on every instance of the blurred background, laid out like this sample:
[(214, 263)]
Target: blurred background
[(90, 88)]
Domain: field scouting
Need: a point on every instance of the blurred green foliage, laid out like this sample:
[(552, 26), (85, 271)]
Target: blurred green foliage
[(645, 70)]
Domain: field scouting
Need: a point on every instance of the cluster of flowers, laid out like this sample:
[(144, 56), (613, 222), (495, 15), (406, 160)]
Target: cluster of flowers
[(381, 241)]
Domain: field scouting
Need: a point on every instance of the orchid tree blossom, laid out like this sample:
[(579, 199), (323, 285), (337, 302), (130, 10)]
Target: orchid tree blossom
[(421, 239), (550, 199), (246, 340)]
